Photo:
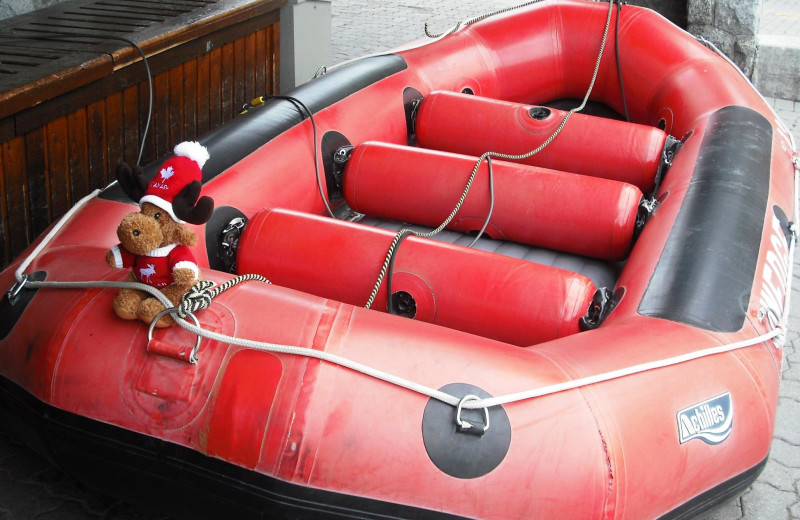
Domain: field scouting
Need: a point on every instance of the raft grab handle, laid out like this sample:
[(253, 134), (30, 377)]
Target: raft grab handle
[(163, 348)]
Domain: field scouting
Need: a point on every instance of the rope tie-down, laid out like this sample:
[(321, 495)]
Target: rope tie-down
[(203, 292)]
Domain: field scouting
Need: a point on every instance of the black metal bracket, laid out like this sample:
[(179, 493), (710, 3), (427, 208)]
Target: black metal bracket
[(671, 147), (340, 158), (647, 207), (603, 302)]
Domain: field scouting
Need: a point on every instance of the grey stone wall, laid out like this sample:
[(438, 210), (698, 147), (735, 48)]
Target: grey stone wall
[(732, 25)]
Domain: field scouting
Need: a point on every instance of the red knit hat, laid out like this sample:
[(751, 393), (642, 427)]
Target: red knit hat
[(174, 175)]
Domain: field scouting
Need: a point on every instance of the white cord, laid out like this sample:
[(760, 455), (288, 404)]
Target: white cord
[(18, 274)]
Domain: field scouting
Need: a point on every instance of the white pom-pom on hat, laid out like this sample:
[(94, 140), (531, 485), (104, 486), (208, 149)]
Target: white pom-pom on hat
[(193, 150)]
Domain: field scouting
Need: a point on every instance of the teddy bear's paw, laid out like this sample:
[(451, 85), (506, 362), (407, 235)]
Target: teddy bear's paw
[(126, 305), (149, 309)]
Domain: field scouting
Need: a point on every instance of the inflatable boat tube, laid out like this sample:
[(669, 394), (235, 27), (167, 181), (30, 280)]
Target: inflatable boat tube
[(436, 282), (588, 145), (591, 216)]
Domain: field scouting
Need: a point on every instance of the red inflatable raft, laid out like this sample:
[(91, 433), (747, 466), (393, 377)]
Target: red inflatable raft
[(484, 303)]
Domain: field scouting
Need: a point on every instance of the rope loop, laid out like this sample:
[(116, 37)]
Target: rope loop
[(198, 297), (201, 293)]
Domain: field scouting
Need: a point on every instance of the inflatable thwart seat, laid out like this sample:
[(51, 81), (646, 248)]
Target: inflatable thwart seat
[(589, 207), (588, 145), (490, 295)]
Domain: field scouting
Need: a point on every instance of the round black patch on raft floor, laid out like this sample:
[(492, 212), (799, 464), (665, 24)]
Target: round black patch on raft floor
[(459, 454)]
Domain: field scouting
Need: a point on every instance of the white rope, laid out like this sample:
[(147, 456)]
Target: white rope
[(53, 232)]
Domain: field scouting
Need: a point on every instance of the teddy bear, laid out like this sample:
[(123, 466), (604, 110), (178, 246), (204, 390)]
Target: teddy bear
[(155, 242)]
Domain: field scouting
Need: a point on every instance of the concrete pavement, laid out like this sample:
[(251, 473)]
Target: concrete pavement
[(30, 488)]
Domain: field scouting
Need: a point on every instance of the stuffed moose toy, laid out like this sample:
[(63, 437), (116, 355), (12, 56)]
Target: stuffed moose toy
[(155, 242)]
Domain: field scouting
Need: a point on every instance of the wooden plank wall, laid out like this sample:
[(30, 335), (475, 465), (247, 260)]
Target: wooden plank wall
[(44, 171)]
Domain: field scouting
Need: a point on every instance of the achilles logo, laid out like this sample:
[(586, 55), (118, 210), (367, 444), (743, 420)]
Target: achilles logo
[(711, 421)]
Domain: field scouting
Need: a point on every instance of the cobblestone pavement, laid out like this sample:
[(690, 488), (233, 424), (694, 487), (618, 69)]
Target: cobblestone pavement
[(30, 488)]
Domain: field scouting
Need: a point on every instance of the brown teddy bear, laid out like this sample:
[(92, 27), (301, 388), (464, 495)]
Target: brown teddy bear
[(154, 242)]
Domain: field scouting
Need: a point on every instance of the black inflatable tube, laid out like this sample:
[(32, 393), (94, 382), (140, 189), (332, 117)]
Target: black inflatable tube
[(705, 274)]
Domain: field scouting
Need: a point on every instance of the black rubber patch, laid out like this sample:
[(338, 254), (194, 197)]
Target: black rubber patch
[(240, 137), (10, 312), (705, 274), (465, 455)]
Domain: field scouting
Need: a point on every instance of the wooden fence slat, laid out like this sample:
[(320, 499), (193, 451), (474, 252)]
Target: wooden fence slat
[(58, 167), (115, 136), (203, 94), (130, 115), (38, 181), (215, 88), (15, 181), (161, 113), (190, 100), (260, 62), (250, 67), (226, 90), (96, 144), (78, 161), (175, 106), (274, 57), (148, 153), (239, 62)]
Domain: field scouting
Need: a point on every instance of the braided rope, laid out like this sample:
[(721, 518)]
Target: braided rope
[(494, 155), (201, 293)]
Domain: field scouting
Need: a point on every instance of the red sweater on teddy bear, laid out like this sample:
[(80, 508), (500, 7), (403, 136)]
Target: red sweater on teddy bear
[(156, 267)]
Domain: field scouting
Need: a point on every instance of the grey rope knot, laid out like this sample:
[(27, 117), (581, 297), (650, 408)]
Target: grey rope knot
[(201, 293)]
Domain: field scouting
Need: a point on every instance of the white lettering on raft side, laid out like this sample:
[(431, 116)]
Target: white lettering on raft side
[(775, 271)]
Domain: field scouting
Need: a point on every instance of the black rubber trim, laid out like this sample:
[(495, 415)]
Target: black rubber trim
[(705, 274), (181, 482), (240, 137), (10, 313), (717, 495)]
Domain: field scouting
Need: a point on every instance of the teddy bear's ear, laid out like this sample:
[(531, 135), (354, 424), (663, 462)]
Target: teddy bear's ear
[(132, 180), (188, 208)]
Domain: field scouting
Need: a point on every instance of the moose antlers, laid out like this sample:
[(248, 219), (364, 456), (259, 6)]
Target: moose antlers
[(175, 188), (187, 207)]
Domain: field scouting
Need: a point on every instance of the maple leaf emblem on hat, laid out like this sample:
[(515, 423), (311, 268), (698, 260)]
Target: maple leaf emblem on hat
[(167, 172)]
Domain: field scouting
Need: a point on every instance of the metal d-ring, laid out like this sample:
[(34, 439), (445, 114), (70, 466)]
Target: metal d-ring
[(13, 293), (193, 355), (465, 426)]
